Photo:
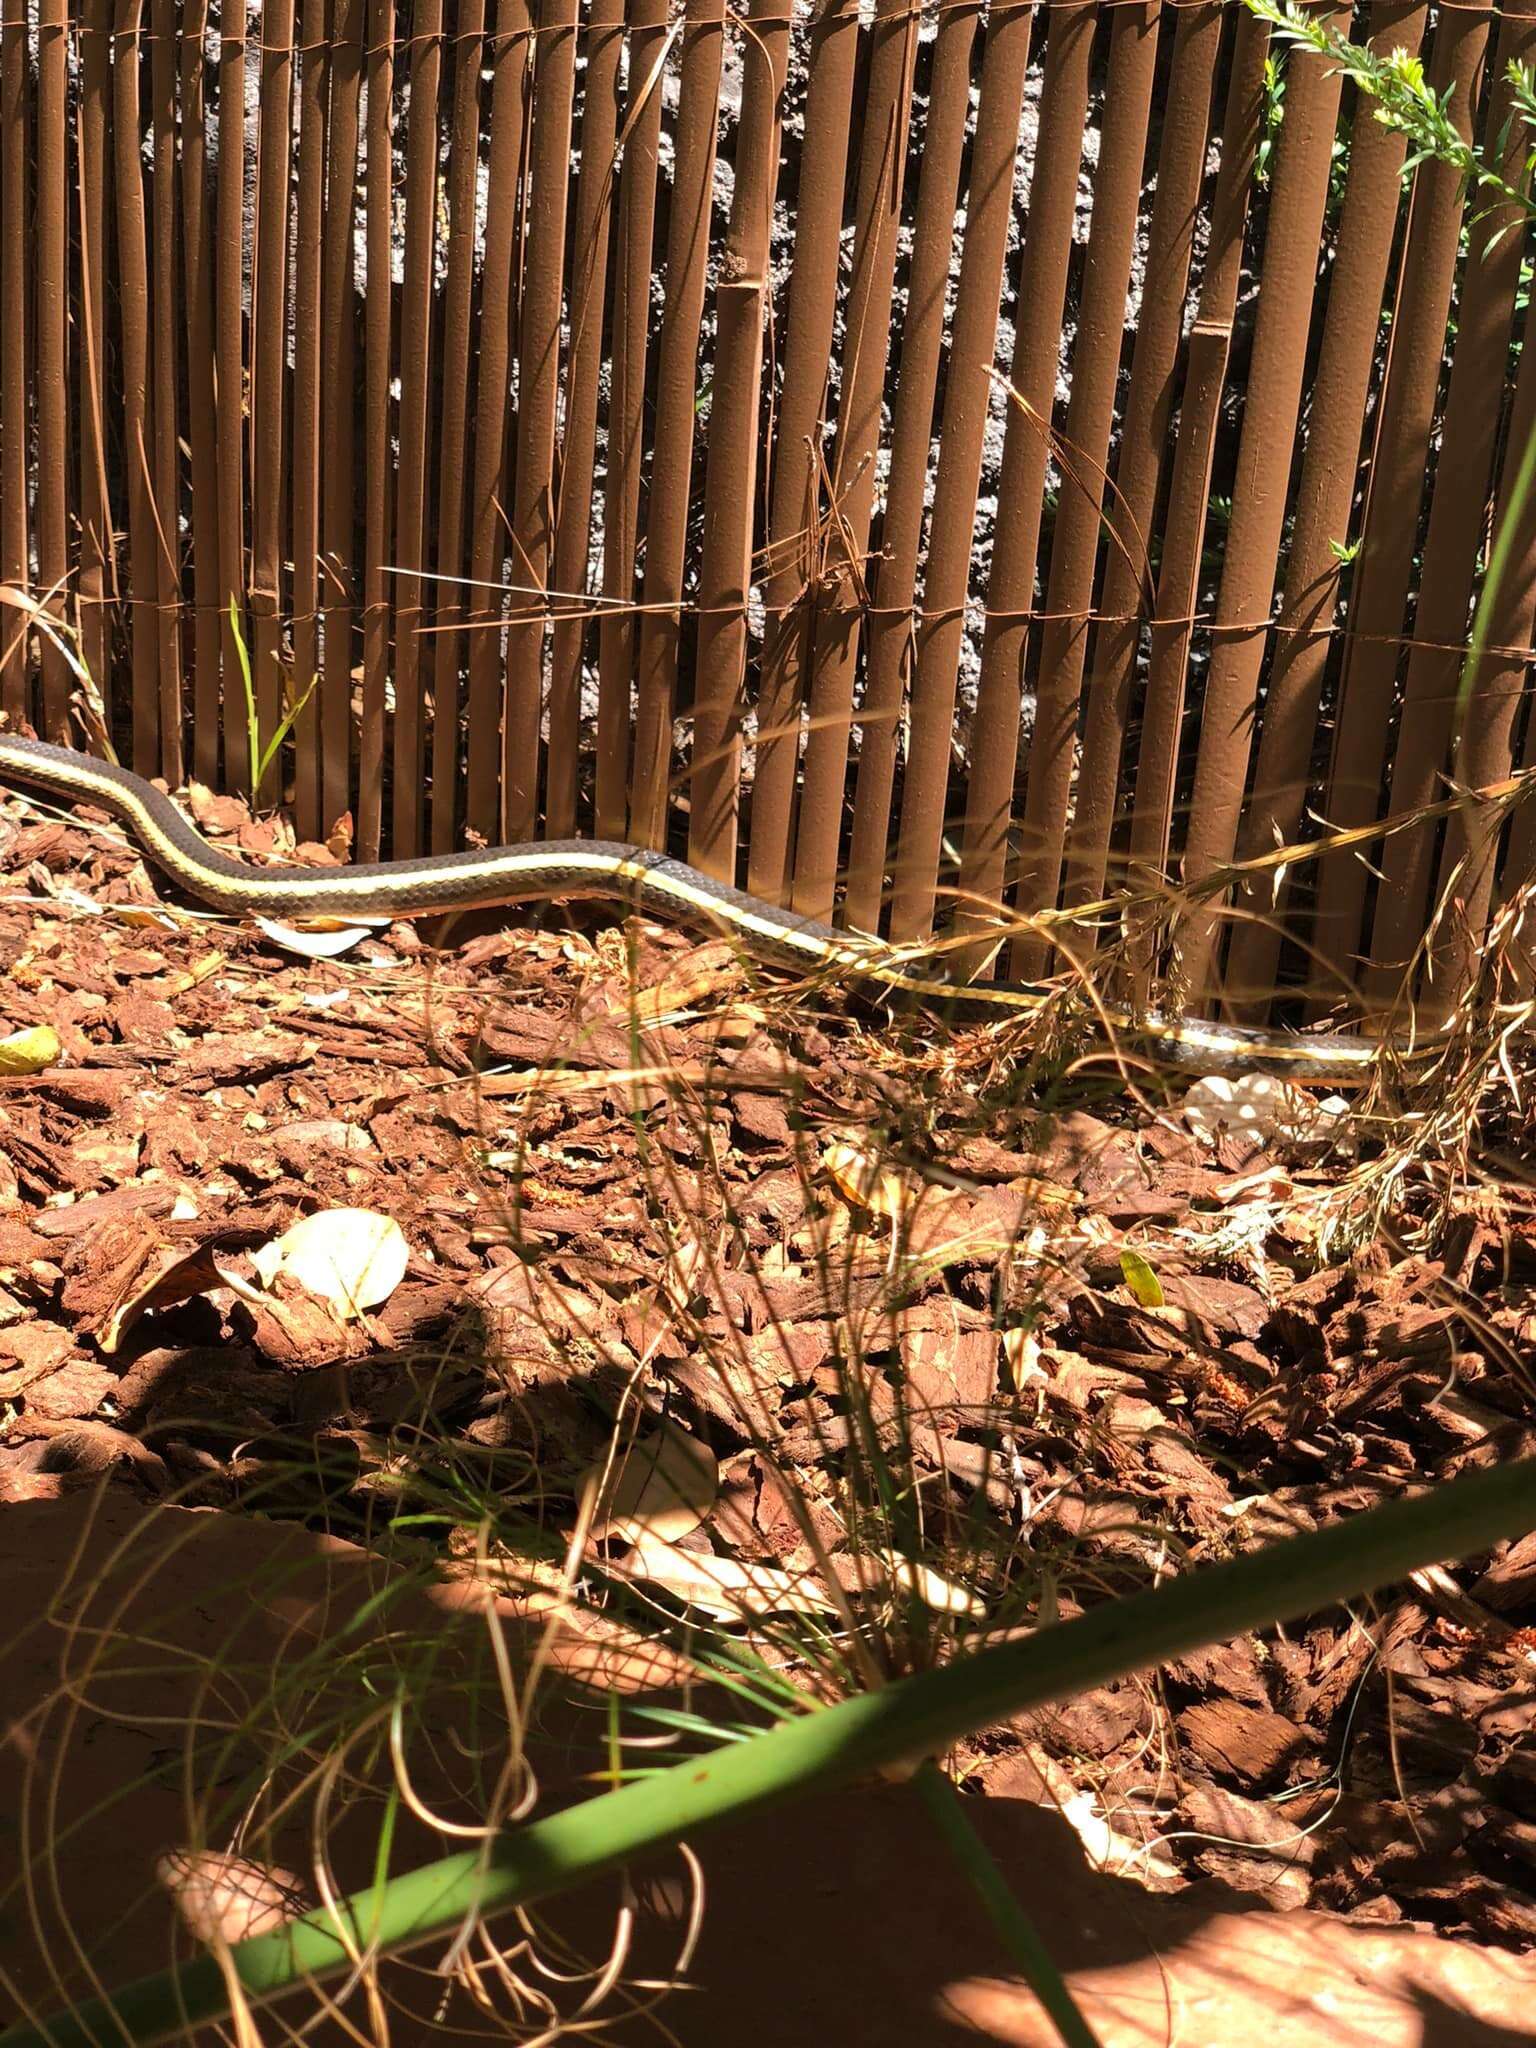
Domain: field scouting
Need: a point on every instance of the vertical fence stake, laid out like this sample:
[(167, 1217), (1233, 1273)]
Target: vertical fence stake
[(578, 452), (269, 365), (230, 387), (338, 484), (1304, 628), (791, 567), (1032, 379), (421, 197), (1085, 506), (487, 520), (1240, 633), (730, 489), (308, 301), (889, 640), (1389, 527), (203, 498), (538, 400), (453, 385), (1470, 428), (649, 42), (1210, 343), (677, 397), (838, 607), (53, 350), (1129, 572), (378, 460), (97, 553), (165, 487)]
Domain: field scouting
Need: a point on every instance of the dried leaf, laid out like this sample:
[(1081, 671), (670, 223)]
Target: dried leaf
[(943, 1595), (860, 1178), (1146, 1288), (319, 941), (1021, 1354), (229, 1898), (197, 1272), (29, 1051), (352, 1258), (660, 1485), (724, 1586)]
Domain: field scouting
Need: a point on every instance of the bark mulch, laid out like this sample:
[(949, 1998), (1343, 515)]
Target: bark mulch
[(625, 1175)]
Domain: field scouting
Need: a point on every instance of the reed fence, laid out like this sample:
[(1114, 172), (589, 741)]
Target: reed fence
[(903, 456)]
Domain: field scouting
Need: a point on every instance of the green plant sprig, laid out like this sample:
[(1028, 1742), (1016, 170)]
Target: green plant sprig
[(1406, 101), (262, 754)]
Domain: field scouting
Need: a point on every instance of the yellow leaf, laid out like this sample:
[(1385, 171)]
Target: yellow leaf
[(859, 1177), (1144, 1284), (28, 1052)]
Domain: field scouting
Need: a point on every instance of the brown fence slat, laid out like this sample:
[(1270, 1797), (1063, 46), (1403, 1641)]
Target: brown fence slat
[(791, 564), (1457, 506), (415, 426), (134, 315), (274, 158), (838, 602), (649, 42), (967, 398), (15, 411), (338, 484), (304, 526), (1394, 493), (730, 487), (453, 386), (53, 349), (487, 524), (1083, 459), (1210, 343), (538, 397), (92, 124), (578, 451), (1128, 570), (1241, 631), (1323, 503), (202, 442), (677, 374), (1484, 730), (378, 459), (889, 638), (230, 376), (167, 325), (1032, 377)]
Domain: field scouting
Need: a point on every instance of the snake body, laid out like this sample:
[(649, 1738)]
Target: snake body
[(647, 881)]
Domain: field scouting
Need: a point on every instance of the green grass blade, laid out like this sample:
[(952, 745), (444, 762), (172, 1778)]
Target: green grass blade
[(905, 1722)]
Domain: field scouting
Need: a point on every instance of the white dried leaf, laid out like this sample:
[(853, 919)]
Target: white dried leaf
[(1261, 1107), (724, 1586), (660, 1485), (944, 1596), (314, 942), (352, 1258)]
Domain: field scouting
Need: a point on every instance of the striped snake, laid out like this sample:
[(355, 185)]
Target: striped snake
[(650, 882)]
